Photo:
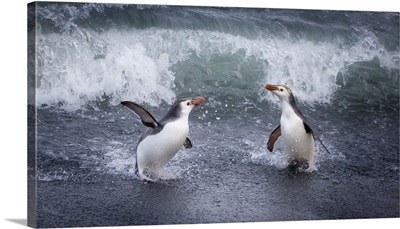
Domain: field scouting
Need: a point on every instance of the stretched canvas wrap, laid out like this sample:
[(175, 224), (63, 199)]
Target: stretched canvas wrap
[(85, 59)]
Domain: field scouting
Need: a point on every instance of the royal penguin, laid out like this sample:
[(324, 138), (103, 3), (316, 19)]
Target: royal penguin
[(296, 133), (162, 140)]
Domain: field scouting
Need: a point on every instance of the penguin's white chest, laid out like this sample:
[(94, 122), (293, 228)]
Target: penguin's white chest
[(298, 144), (155, 151)]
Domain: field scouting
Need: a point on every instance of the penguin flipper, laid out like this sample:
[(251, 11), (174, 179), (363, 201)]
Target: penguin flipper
[(187, 144), (273, 137), (307, 128), (145, 116)]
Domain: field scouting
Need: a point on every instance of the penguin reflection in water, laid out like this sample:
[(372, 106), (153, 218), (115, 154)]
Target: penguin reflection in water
[(162, 140), (297, 135)]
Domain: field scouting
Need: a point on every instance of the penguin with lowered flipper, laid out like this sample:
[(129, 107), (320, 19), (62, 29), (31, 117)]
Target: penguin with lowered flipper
[(296, 133), (162, 140)]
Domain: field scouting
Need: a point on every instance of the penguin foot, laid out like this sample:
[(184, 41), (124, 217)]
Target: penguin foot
[(298, 166), (146, 178)]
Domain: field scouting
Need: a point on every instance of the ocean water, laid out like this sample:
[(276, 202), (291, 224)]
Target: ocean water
[(343, 68)]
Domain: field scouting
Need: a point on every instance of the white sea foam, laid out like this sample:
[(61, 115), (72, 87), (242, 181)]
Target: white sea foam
[(85, 66)]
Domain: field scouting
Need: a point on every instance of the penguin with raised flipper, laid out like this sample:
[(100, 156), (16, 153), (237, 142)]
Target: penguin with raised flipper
[(162, 140)]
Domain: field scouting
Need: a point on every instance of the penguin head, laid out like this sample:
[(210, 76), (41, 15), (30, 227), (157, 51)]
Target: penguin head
[(186, 105), (182, 107), (282, 91)]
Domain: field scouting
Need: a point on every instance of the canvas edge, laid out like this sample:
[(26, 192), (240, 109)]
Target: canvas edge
[(31, 115)]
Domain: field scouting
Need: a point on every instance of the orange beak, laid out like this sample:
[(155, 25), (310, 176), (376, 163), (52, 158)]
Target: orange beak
[(271, 87), (198, 100)]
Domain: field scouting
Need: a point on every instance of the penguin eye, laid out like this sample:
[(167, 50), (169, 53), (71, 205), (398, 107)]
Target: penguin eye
[(188, 103), (281, 89)]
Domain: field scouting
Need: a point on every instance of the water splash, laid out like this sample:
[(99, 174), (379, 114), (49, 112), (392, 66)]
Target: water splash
[(278, 159), (81, 66)]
